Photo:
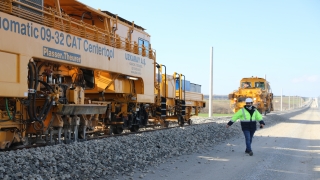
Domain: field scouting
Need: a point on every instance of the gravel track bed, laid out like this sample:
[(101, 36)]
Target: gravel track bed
[(120, 156)]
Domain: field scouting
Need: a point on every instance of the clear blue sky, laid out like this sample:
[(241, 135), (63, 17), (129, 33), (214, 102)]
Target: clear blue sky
[(279, 39)]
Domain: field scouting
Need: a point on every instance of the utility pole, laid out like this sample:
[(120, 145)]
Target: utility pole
[(211, 83), (289, 102), (281, 101)]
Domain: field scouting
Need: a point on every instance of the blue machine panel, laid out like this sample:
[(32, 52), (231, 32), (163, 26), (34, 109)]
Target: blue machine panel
[(187, 86)]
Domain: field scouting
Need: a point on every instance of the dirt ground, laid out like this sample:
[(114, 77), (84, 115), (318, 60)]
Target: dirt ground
[(288, 150)]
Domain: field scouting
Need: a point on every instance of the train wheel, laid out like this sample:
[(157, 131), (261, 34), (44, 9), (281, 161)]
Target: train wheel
[(117, 130), (180, 121), (166, 124), (80, 135), (145, 119), (110, 130), (134, 128)]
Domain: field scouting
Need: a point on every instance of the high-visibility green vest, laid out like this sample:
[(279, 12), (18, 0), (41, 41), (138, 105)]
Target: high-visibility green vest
[(245, 116)]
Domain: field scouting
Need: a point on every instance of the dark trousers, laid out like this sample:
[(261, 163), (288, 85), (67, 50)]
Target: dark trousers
[(248, 134)]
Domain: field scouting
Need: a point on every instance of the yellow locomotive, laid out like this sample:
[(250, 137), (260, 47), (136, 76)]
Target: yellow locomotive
[(69, 71), (258, 89)]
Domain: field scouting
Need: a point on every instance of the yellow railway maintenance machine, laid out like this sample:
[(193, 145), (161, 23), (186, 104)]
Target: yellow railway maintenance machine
[(177, 103), (258, 89), (69, 71)]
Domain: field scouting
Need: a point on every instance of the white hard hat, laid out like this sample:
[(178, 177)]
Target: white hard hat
[(249, 100)]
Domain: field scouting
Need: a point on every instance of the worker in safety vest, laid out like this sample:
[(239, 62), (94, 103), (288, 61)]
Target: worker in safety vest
[(248, 115)]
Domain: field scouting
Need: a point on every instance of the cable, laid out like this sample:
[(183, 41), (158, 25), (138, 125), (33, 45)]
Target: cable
[(33, 84), (7, 108), (30, 85)]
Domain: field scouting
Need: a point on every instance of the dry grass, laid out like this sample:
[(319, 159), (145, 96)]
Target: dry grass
[(219, 107), (223, 106), (295, 102)]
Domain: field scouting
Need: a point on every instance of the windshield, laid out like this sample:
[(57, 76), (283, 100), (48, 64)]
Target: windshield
[(260, 85), (246, 85)]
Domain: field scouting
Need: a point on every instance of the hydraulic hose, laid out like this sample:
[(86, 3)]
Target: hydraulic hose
[(31, 74), (30, 95), (47, 111), (36, 83), (33, 84), (7, 108), (43, 109), (50, 88), (36, 78)]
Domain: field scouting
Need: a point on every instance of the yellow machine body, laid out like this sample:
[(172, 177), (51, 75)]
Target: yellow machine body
[(258, 89), (69, 71)]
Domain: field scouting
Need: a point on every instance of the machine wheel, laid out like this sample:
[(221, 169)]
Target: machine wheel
[(145, 120), (180, 121), (134, 128), (117, 130), (80, 135), (189, 121), (269, 109), (166, 124), (110, 130)]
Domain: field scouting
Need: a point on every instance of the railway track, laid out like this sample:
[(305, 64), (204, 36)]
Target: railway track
[(126, 133), (147, 129)]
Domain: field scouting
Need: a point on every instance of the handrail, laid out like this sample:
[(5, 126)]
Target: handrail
[(63, 22)]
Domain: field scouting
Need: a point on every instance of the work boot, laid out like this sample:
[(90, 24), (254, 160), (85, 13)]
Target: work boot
[(250, 153)]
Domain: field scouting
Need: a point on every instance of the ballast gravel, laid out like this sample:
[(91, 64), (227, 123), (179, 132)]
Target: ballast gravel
[(120, 156)]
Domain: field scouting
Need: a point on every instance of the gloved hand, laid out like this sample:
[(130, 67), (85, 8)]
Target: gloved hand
[(261, 126)]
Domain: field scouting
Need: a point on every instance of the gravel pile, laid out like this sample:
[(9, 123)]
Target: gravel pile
[(118, 156)]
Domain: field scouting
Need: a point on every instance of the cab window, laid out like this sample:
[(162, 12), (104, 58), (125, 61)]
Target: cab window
[(246, 85), (146, 45), (260, 85)]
